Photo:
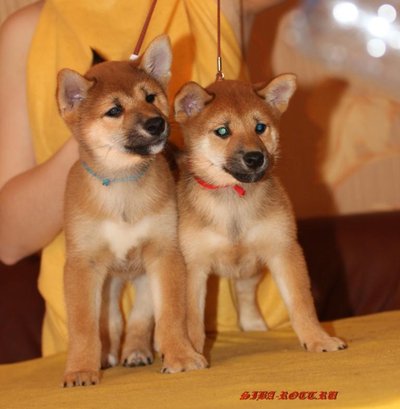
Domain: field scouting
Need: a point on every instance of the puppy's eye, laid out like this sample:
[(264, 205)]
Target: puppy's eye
[(223, 132), (150, 98), (260, 128), (115, 112)]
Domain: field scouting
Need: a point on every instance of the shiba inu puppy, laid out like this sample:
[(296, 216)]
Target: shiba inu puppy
[(235, 217), (121, 219)]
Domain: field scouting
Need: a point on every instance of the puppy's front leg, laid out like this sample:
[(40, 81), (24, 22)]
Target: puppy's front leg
[(83, 288), (290, 273), (166, 271)]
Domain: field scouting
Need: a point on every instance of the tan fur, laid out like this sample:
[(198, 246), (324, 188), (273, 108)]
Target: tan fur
[(235, 236), (126, 230)]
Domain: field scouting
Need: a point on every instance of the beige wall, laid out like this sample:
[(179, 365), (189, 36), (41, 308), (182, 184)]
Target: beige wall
[(340, 143)]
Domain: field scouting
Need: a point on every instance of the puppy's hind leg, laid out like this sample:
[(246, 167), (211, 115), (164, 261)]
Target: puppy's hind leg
[(137, 350), (111, 323), (250, 318)]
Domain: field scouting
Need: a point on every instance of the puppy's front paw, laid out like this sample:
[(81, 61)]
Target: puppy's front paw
[(187, 360), (324, 344), (81, 378), (138, 358)]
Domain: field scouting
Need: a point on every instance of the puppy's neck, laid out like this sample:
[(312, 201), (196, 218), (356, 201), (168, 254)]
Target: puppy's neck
[(107, 181), (237, 188), (204, 183), (106, 175)]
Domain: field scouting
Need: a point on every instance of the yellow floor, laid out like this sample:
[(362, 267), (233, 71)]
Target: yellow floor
[(365, 375)]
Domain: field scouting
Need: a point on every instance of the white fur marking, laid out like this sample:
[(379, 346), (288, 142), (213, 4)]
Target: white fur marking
[(122, 236), (157, 148), (210, 241)]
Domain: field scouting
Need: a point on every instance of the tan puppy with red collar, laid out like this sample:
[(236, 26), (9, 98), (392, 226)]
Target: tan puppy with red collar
[(235, 217), (121, 219)]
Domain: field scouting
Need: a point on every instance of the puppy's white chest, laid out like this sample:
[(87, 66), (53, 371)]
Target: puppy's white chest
[(121, 237)]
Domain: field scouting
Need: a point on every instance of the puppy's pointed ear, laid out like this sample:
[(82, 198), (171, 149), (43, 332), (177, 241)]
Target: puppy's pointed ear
[(72, 89), (157, 60), (190, 100), (279, 91)]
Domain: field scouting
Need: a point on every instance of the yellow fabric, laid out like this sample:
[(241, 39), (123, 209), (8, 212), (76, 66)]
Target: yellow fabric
[(66, 32), (365, 376)]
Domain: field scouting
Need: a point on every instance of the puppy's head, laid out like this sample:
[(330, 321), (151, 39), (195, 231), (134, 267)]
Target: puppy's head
[(231, 127), (118, 110)]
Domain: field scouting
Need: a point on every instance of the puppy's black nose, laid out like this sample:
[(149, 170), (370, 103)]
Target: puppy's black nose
[(154, 126), (253, 160)]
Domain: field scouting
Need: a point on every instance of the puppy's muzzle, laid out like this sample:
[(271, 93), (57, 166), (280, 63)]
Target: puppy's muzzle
[(151, 139), (254, 160), (248, 167), (155, 126)]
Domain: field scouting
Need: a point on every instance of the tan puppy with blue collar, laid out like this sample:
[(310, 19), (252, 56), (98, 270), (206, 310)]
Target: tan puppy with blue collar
[(121, 219), (235, 217)]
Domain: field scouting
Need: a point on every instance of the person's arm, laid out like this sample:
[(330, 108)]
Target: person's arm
[(31, 196)]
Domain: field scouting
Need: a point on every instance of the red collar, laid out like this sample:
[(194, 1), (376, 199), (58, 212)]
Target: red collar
[(238, 189)]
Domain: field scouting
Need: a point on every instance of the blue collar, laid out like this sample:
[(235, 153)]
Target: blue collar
[(108, 181)]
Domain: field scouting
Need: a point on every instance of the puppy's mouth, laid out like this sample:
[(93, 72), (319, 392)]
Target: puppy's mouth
[(145, 149), (146, 146), (250, 167), (245, 177)]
